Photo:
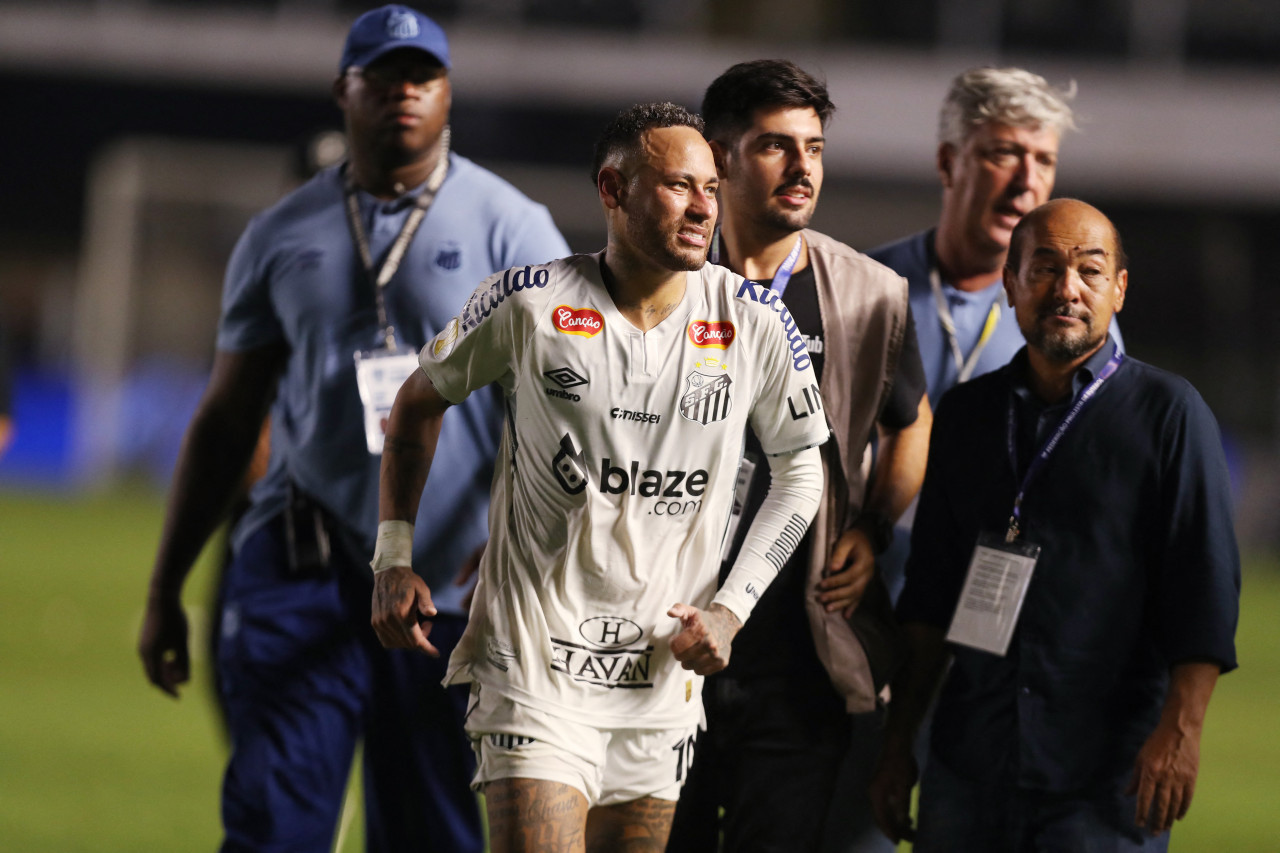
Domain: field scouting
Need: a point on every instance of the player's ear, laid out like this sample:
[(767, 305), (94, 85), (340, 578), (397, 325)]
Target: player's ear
[(1122, 287), (612, 186), (339, 90)]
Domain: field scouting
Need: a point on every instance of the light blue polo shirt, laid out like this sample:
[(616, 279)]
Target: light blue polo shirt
[(295, 276), (913, 258)]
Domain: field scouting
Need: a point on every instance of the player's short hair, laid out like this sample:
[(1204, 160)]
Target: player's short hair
[(732, 99), (623, 134), (1019, 236), (1009, 96)]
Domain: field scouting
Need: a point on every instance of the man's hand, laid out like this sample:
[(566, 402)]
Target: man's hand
[(849, 570), (705, 637), (162, 644), (401, 604), (890, 792), (1164, 777), (1164, 773)]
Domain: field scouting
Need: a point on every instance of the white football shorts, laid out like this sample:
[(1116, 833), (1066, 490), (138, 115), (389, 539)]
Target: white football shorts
[(609, 766)]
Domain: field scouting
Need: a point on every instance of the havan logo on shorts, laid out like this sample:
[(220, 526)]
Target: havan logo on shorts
[(586, 322), (708, 333), (627, 668)]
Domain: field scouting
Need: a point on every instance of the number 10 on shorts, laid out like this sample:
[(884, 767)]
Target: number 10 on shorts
[(684, 755)]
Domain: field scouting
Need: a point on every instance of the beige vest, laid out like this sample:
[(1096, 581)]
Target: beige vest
[(864, 319)]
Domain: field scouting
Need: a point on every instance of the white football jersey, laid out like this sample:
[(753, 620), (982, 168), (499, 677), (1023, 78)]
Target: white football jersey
[(615, 478)]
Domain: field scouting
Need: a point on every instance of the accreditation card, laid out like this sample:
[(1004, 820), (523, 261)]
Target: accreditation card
[(993, 592), (379, 375)]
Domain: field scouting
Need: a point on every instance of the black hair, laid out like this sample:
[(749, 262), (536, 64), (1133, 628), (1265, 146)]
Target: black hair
[(732, 99), (624, 132)]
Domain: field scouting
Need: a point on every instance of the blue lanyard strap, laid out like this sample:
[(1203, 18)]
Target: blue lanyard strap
[(1039, 460), (781, 278)]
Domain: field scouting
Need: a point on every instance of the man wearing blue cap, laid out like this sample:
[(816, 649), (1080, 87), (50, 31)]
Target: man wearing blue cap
[(328, 297)]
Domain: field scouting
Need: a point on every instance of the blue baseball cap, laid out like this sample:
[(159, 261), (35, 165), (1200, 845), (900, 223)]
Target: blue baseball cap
[(390, 28)]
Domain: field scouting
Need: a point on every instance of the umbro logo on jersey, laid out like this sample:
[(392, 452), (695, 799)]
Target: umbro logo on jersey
[(586, 322), (708, 333), (706, 398), (566, 377)]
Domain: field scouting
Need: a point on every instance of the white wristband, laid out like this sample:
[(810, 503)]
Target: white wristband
[(394, 546)]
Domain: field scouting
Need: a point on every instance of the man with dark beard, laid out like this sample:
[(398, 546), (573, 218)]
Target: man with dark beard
[(781, 710), (1088, 625)]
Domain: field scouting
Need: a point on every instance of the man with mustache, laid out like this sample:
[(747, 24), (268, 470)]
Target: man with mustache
[(998, 136), (781, 710), (629, 376), (1087, 626), (328, 294), (999, 131)]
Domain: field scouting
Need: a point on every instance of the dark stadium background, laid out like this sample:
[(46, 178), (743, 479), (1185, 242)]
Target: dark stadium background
[(81, 79)]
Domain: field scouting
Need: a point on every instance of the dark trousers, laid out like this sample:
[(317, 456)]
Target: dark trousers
[(958, 815), (304, 679), (769, 758)]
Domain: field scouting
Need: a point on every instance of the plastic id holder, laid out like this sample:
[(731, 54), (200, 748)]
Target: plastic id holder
[(994, 589), (379, 375)]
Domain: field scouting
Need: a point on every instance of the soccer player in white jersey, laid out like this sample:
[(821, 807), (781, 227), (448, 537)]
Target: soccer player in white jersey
[(629, 376)]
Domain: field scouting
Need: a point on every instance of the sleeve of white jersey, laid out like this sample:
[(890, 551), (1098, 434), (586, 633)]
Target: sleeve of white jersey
[(795, 488), (787, 415), (484, 342)]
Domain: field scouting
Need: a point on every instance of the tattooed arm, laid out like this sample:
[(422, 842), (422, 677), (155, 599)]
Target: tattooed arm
[(401, 598)]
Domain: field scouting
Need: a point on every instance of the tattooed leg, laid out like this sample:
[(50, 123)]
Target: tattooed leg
[(640, 826), (535, 816)]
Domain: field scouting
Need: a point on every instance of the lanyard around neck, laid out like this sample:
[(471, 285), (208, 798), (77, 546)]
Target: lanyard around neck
[(964, 366), (1051, 444), (781, 278), (403, 239)]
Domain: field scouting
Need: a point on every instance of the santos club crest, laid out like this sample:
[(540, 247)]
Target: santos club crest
[(706, 397)]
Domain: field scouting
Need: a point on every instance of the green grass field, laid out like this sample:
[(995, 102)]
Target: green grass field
[(94, 759)]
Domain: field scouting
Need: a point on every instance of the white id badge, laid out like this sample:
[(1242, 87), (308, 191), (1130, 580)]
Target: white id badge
[(379, 375), (993, 592)]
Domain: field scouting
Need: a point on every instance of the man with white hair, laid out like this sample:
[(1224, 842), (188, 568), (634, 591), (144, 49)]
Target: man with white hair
[(998, 136)]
